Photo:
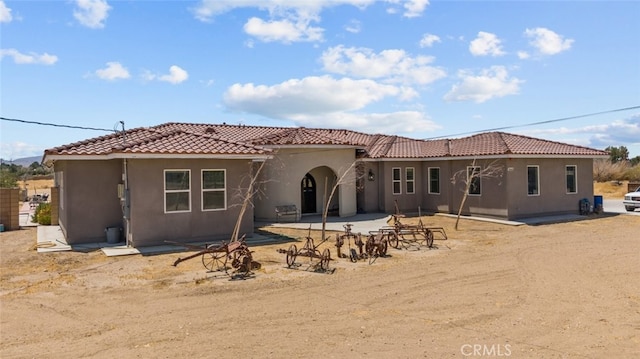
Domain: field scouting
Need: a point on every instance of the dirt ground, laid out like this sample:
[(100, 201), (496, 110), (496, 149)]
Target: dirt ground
[(566, 290)]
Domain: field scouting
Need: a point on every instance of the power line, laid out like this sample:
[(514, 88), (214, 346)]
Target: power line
[(537, 123), (56, 125)]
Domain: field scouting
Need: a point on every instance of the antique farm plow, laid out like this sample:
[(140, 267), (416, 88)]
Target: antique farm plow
[(374, 246), (318, 260), (412, 235), (223, 257)]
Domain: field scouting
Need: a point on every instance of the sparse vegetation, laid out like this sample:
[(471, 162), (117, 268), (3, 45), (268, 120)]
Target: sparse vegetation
[(607, 170), (42, 214)]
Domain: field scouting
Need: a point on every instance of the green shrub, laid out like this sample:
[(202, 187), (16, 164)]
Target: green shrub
[(42, 214)]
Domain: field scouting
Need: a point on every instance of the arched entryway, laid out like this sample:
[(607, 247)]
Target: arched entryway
[(308, 190)]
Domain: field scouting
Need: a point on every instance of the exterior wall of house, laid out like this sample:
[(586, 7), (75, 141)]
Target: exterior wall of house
[(150, 225), (493, 198), (88, 201), (280, 180), (369, 196), (553, 197), (407, 202), (439, 199)]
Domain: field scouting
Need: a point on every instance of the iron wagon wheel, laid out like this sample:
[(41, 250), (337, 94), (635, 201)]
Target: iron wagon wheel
[(393, 239), (382, 247), (292, 252), (324, 260), (369, 247), (214, 261), (429, 236)]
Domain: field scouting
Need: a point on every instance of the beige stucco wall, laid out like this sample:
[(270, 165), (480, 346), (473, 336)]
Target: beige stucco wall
[(280, 181), (149, 225), (437, 202), (553, 198), (407, 202), (88, 200)]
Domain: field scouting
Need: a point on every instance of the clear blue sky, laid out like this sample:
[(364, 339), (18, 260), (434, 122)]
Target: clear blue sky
[(418, 68)]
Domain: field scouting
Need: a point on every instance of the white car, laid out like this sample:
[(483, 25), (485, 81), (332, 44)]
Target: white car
[(632, 200)]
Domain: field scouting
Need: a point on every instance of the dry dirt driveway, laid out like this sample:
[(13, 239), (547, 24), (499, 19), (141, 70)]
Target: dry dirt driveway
[(568, 290)]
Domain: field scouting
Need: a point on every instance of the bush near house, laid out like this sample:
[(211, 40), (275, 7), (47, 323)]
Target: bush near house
[(42, 214)]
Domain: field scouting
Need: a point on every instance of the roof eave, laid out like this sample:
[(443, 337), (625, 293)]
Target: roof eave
[(111, 156)]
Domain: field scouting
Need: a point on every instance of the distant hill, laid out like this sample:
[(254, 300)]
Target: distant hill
[(25, 161)]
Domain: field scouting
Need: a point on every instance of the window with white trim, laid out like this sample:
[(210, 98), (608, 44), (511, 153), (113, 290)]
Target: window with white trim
[(396, 180), (572, 178), (214, 190), (410, 179), (533, 180), (473, 175), (434, 180), (177, 191)]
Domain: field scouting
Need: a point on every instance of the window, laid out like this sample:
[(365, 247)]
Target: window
[(410, 179), (533, 180), (214, 191), (177, 191), (572, 179), (434, 180), (473, 175), (396, 181)]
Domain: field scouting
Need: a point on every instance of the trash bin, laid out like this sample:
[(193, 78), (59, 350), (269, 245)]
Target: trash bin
[(598, 204), (113, 234)]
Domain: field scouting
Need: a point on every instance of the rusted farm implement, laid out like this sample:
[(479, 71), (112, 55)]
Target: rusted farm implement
[(412, 235), (311, 251), (375, 246), (223, 257), (348, 236)]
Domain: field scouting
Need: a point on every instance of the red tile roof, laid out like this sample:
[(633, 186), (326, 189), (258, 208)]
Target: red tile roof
[(201, 139)]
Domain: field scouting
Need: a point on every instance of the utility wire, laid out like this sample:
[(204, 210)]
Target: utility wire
[(537, 123), (397, 139), (56, 125)]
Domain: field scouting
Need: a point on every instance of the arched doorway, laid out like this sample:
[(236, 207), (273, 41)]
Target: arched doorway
[(308, 191)]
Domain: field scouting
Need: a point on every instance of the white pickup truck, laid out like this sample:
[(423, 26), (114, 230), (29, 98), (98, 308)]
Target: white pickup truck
[(632, 200)]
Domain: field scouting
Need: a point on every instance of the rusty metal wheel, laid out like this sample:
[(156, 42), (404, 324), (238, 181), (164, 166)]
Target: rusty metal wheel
[(370, 246), (393, 239), (429, 236), (324, 261), (215, 261), (382, 247), (292, 252)]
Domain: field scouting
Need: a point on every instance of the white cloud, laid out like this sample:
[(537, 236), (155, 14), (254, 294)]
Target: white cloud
[(284, 30), (113, 71), (393, 66), (623, 132), (490, 83), (291, 21), (401, 122), (428, 40), (522, 55), (354, 26), (176, 75), (547, 42), (31, 58), (486, 44), (310, 96), (5, 13), (92, 13), (14, 150)]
